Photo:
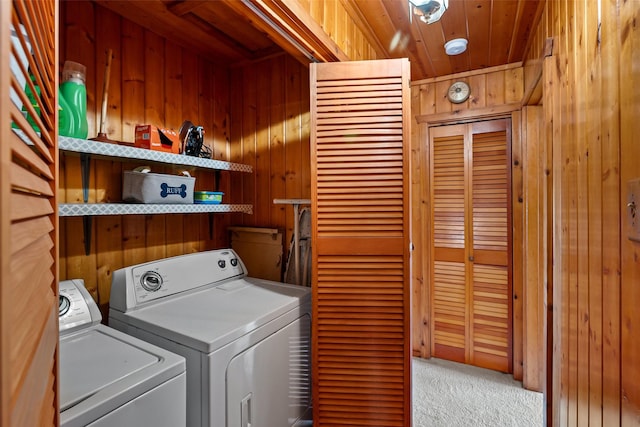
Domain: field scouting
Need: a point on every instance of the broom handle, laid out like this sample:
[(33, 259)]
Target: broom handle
[(105, 92)]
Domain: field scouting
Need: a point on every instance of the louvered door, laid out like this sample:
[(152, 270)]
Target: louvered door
[(471, 271), (28, 285), (360, 202)]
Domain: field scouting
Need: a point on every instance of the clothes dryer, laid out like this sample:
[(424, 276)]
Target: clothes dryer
[(246, 340)]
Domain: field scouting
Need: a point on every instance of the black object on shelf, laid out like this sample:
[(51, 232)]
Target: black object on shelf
[(192, 138)]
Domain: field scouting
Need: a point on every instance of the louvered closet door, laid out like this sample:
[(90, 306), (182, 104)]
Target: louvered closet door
[(471, 279), (28, 284), (361, 296)]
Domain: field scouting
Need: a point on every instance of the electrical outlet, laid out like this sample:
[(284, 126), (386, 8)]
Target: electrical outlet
[(633, 209)]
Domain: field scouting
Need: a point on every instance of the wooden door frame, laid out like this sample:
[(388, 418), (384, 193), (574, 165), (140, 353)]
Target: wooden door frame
[(513, 112)]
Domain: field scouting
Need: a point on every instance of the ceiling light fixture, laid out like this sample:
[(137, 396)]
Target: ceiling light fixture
[(455, 46), (429, 11)]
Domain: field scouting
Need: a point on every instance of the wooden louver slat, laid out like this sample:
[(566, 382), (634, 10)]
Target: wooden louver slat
[(361, 338)]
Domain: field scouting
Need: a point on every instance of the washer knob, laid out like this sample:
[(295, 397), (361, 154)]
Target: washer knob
[(234, 261), (222, 263), (63, 305), (151, 281)]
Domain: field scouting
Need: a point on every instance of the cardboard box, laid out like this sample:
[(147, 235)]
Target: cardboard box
[(147, 187), (151, 137)]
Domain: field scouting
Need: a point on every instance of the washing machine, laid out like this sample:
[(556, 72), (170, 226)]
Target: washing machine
[(110, 379), (246, 340)]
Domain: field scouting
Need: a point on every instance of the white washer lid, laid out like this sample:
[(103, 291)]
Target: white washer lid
[(102, 368), (213, 317)]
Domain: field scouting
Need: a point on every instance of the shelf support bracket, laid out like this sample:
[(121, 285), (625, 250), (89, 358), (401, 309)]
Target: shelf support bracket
[(216, 174), (87, 221), (211, 216), (85, 166)]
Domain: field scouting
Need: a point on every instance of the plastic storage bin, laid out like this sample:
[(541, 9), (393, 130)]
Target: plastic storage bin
[(147, 187)]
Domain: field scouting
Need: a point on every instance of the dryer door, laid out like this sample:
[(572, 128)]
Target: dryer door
[(269, 384)]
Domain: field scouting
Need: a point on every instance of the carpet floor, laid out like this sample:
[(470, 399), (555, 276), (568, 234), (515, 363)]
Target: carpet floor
[(449, 394)]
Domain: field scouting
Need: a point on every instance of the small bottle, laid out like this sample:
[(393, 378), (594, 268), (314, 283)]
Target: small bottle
[(74, 91)]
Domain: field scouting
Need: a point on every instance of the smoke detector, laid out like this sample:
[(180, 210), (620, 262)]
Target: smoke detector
[(455, 46)]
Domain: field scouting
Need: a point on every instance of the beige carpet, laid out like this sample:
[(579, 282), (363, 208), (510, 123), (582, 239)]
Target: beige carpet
[(449, 394)]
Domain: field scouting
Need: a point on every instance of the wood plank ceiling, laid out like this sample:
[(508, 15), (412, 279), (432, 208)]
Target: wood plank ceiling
[(498, 32), (227, 31)]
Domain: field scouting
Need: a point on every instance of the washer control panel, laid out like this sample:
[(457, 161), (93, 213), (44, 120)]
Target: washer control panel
[(170, 276), (76, 308)]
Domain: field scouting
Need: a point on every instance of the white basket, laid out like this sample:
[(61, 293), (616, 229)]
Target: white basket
[(146, 187)]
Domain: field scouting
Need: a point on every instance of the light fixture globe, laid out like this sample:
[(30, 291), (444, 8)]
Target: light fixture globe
[(429, 11), (455, 46)]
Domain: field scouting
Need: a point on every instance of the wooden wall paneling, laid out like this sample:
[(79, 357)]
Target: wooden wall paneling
[(614, 121), (293, 154), (133, 99), (554, 99), (277, 137), (235, 147), (492, 87), (587, 118), (427, 100), (191, 78), (249, 101), (305, 132), (630, 153), (593, 205), (478, 96), (534, 269), (513, 85), (561, 204), (206, 119), (519, 253), (264, 199), (109, 255), (583, 217), (221, 132), (570, 193), (339, 26), (154, 112), (133, 88), (442, 103), (282, 156), (329, 16), (551, 391), (421, 339), (173, 75), (495, 88), (80, 47), (316, 10)]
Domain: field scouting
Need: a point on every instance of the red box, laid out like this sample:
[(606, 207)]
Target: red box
[(153, 138)]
